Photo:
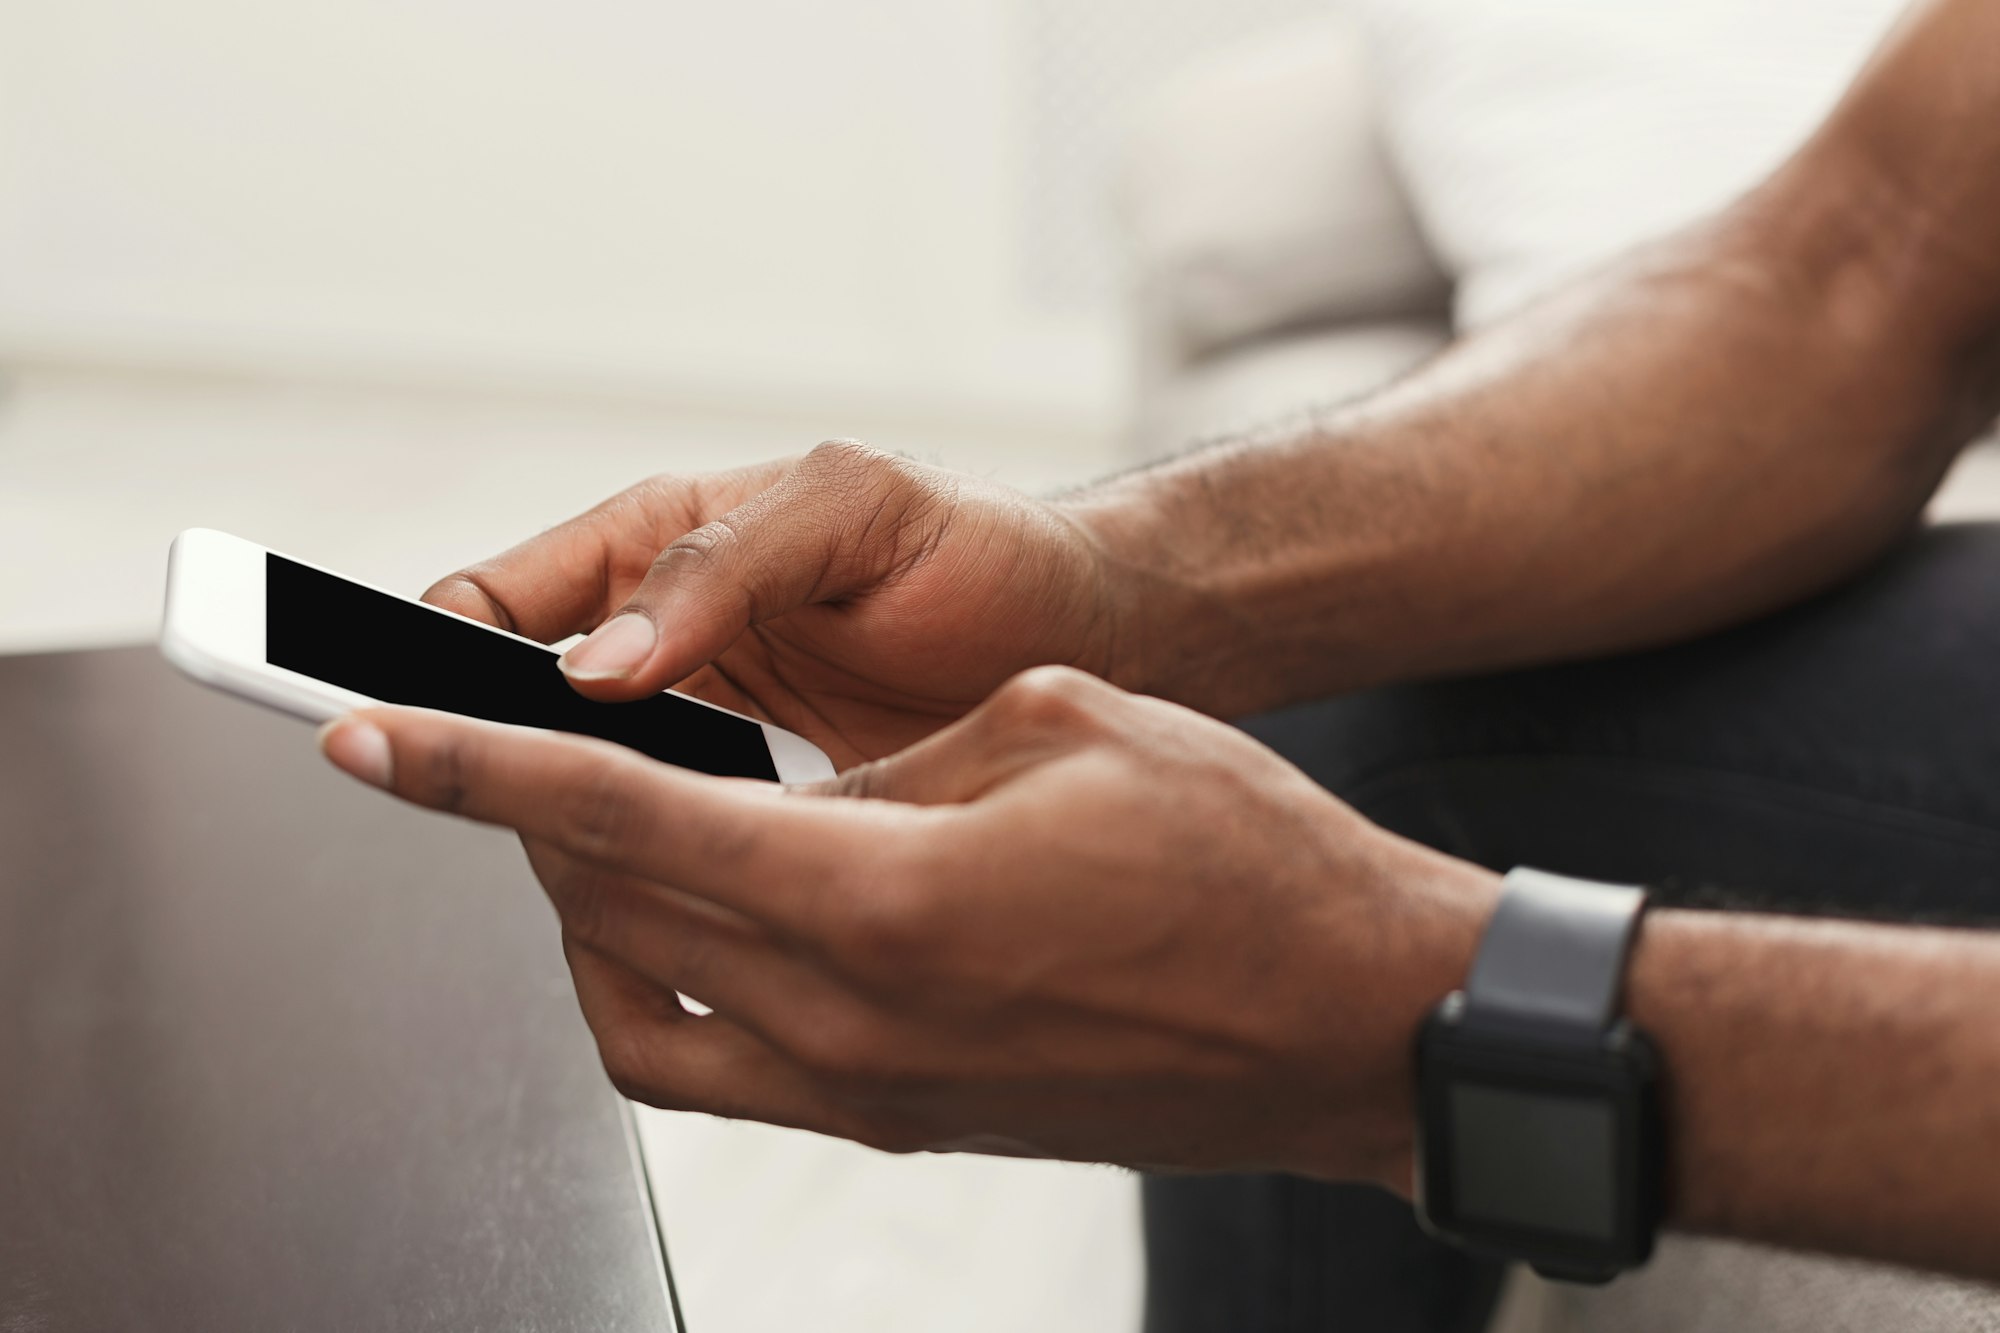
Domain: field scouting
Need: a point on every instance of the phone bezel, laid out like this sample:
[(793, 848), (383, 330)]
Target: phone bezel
[(213, 630)]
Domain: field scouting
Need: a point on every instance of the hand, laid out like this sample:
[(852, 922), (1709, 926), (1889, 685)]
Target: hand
[(1076, 923), (859, 599)]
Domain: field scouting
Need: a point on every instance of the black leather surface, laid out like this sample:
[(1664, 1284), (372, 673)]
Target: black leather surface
[(276, 1053)]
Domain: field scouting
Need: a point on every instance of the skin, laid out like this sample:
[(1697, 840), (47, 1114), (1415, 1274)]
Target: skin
[(1039, 914), (858, 599), (878, 951)]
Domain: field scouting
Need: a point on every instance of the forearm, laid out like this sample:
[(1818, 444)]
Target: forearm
[(1831, 1086), (1828, 1085), (1722, 423)]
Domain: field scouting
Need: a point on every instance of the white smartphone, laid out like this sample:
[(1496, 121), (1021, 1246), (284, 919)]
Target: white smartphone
[(308, 642)]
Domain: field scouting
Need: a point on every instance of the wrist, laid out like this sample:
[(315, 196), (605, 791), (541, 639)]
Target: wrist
[(1435, 910), (1540, 1137), (1141, 596), (1189, 589)]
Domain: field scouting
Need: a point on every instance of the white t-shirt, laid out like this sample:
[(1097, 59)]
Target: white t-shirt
[(1540, 137)]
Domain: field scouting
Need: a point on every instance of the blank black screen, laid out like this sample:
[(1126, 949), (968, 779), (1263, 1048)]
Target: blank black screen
[(401, 653), (1530, 1160)]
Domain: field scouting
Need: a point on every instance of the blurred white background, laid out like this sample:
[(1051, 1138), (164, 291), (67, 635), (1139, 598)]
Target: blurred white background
[(392, 283), (389, 281)]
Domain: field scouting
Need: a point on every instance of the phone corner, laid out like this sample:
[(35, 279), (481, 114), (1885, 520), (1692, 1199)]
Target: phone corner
[(183, 654), (795, 758)]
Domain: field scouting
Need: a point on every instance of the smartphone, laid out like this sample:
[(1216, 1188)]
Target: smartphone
[(308, 642)]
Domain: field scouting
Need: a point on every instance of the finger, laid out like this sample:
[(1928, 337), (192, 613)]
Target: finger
[(568, 579), (1036, 716), (744, 844), (610, 993), (657, 1053), (677, 941), (843, 520), (549, 587)]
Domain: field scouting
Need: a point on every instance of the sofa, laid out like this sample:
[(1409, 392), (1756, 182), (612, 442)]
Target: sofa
[(1278, 262)]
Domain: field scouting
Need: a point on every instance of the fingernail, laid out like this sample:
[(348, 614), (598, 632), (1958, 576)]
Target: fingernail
[(357, 748), (614, 650)]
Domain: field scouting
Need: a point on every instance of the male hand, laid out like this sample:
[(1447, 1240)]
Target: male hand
[(1076, 923), (857, 598)]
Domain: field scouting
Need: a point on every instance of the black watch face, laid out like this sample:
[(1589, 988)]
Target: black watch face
[(1541, 1155), (1540, 1160)]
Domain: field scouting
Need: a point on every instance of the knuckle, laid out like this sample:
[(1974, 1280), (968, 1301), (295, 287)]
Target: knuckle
[(864, 781), (843, 1046), (625, 1054), (1052, 698), (889, 933), (693, 963), (704, 545), (858, 471), (889, 511), (643, 499), (843, 456), (584, 899), (601, 818), (446, 771)]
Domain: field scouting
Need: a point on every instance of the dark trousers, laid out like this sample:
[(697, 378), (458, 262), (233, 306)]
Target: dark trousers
[(1841, 757)]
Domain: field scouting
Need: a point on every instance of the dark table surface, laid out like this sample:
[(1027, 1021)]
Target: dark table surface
[(277, 1053)]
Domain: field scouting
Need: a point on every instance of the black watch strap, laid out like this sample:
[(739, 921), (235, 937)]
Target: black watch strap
[(1552, 962), (1539, 1117)]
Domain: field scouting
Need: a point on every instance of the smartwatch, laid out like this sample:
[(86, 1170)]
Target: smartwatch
[(1539, 1135)]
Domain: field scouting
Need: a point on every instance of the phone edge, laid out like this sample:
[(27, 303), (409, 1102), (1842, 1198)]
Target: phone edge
[(793, 758)]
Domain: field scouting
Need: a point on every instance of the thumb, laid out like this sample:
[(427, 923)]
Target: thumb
[(1040, 716), (840, 522)]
